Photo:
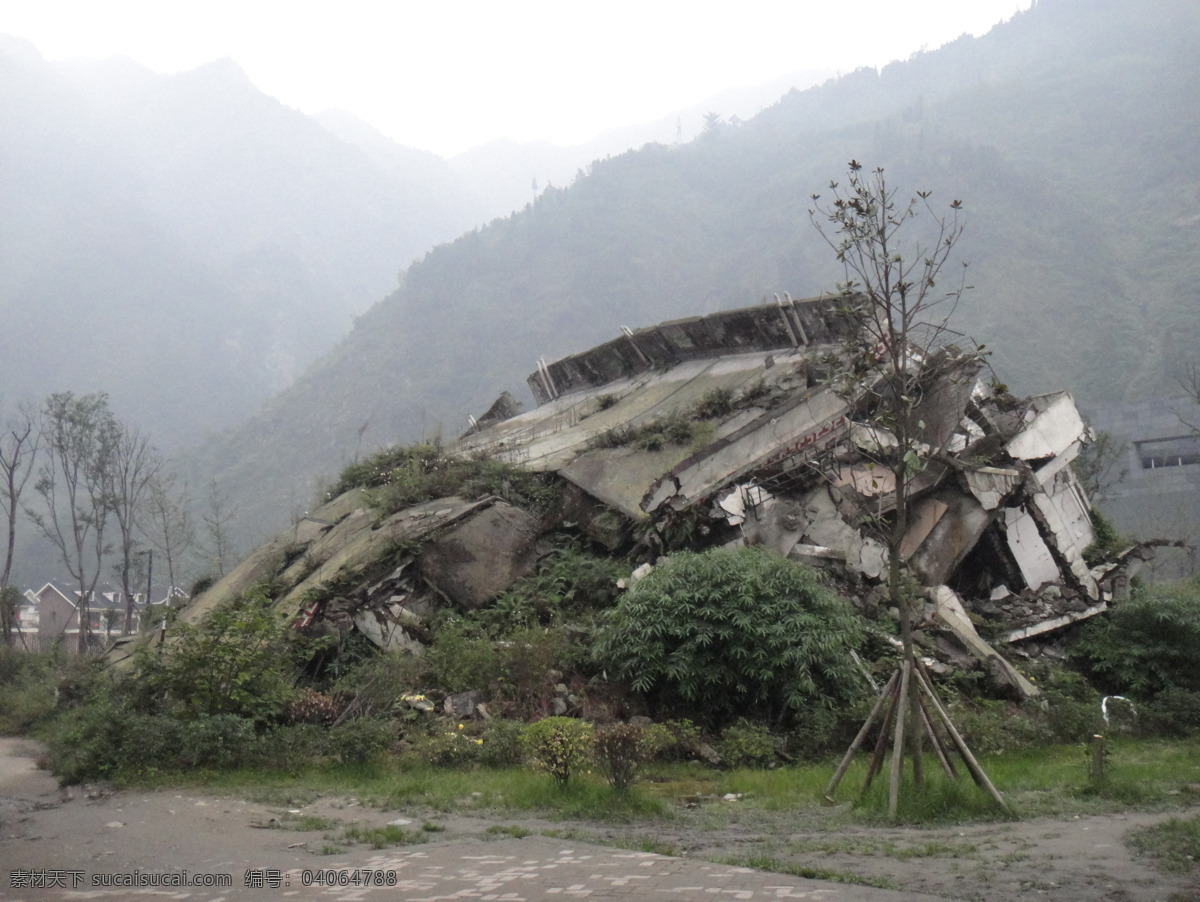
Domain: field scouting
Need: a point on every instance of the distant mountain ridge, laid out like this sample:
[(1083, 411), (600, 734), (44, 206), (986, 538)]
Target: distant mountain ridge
[(185, 242)]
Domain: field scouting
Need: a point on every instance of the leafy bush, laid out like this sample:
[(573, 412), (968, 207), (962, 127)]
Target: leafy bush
[(461, 658), (716, 402), (313, 707), (1147, 644), (238, 659), (569, 580), (104, 740), (558, 745), (676, 740), (1173, 712), (502, 743), (291, 747), (522, 669), (361, 739), (450, 748), (745, 744), (1069, 707), (28, 696), (621, 750), (723, 634)]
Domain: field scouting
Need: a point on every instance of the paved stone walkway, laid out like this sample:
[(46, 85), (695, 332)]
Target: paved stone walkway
[(537, 869)]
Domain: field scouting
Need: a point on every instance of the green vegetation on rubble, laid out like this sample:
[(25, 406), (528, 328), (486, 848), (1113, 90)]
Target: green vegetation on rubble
[(402, 476)]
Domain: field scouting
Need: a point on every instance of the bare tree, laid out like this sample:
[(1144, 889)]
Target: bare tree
[(134, 464), (169, 526), (1100, 465), (1190, 383), (218, 523), (893, 266), (18, 453), (80, 436)]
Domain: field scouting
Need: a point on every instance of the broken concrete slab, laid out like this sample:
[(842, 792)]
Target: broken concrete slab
[(475, 560), (950, 539), (950, 613), (1029, 549), (785, 439), (991, 485), (1050, 425)]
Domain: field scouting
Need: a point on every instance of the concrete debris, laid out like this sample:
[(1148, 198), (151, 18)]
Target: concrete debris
[(480, 557), (727, 429), (802, 468), (950, 614)]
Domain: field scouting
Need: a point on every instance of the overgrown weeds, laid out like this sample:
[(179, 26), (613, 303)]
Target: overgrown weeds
[(402, 476)]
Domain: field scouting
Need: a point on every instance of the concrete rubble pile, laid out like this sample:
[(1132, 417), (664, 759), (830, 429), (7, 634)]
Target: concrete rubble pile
[(725, 429)]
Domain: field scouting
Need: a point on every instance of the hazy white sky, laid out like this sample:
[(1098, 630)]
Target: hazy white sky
[(445, 75)]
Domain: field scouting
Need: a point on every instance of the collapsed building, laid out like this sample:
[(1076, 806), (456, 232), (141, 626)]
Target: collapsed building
[(725, 429)]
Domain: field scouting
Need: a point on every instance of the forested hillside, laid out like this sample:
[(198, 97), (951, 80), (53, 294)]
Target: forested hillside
[(1070, 133)]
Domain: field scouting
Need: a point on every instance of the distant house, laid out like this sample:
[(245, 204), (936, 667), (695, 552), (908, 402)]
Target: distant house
[(51, 614)]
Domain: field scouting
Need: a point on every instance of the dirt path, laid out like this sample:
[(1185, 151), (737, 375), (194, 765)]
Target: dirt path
[(90, 830)]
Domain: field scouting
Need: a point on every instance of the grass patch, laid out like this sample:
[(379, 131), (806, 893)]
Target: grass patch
[(511, 830), (778, 866), (1174, 845), (380, 837), (303, 823), (940, 801), (650, 844), (1047, 781)]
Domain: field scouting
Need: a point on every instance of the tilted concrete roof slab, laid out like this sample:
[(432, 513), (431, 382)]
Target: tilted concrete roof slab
[(799, 430)]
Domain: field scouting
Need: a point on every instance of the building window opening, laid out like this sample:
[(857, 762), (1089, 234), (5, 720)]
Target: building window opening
[(1180, 451)]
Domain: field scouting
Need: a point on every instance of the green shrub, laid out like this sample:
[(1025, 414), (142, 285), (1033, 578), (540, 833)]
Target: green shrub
[(103, 740), (291, 747), (1069, 707), (569, 580), (449, 748), (502, 743), (1172, 712), (361, 739), (461, 658), (745, 744), (723, 634), (558, 745), (676, 740), (27, 698), (819, 732), (620, 751), (716, 402), (238, 659), (1147, 644)]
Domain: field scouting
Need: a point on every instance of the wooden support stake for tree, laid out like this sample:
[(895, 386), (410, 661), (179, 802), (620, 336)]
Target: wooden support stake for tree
[(898, 741), (946, 762), (977, 772), (881, 743), (858, 740), (917, 725)]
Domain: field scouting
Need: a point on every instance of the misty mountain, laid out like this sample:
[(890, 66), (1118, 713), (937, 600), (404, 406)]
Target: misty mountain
[(185, 242), (1070, 133)]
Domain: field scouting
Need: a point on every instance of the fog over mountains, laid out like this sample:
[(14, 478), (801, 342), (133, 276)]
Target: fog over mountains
[(192, 246)]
